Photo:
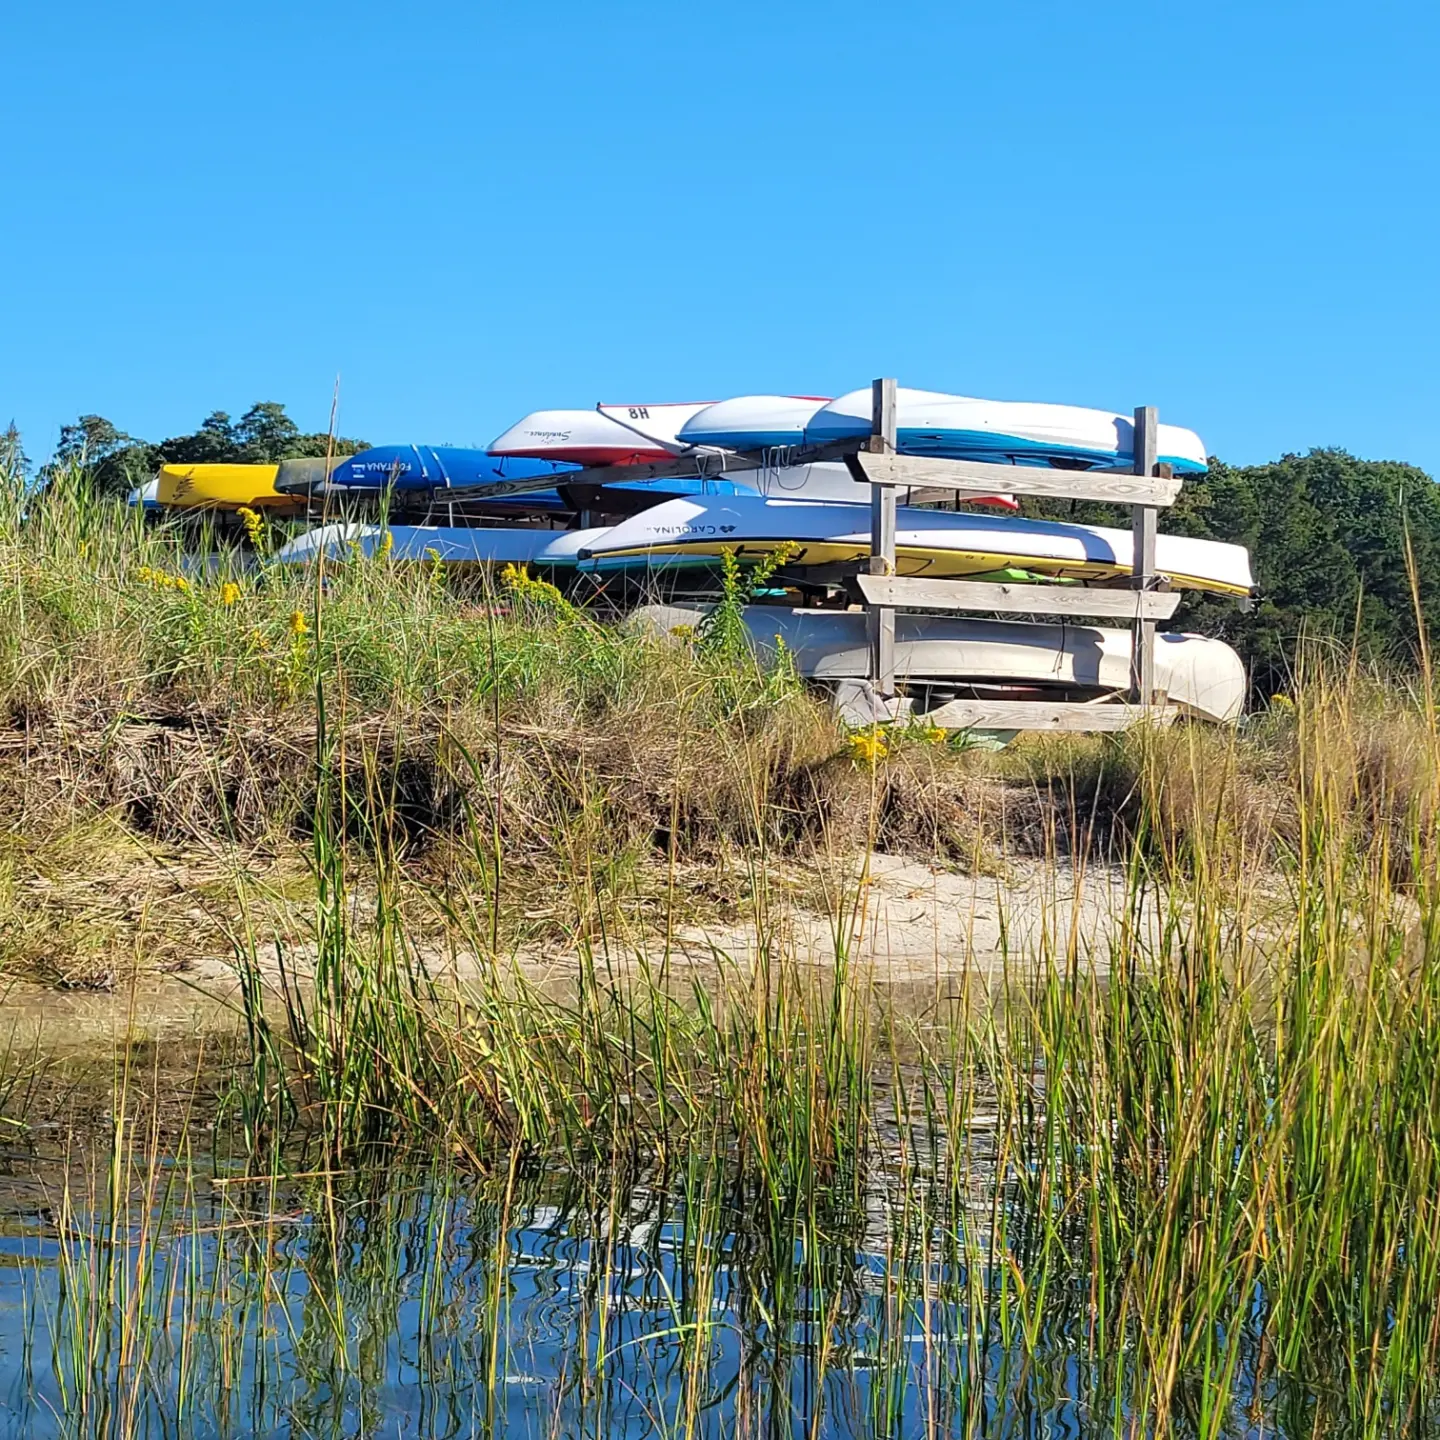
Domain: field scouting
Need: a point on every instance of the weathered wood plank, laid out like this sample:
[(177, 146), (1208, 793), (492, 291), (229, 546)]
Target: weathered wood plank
[(1142, 564), (981, 478), (1046, 715), (880, 624), (906, 592)]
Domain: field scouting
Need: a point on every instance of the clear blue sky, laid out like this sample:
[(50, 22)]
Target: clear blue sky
[(468, 211)]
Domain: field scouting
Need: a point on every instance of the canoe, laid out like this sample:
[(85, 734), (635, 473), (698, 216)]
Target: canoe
[(957, 427), (452, 544), (940, 652), (937, 544), (145, 496), (219, 487)]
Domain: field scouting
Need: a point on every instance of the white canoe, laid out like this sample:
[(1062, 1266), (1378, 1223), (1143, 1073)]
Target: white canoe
[(1204, 676), (939, 544), (453, 544), (1002, 431)]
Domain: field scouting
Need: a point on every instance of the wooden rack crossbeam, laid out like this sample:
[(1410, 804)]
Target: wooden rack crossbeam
[(906, 592), (980, 478), (1047, 715)]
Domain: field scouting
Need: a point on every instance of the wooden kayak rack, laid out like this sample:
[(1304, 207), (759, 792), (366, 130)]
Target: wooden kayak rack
[(1141, 602), (1139, 599)]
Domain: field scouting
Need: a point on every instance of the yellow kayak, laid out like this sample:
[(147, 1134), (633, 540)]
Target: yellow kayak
[(220, 487)]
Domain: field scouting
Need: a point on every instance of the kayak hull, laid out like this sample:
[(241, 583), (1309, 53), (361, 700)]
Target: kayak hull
[(1202, 675), (450, 544), (937, 544), (219, 487), (958, 427)]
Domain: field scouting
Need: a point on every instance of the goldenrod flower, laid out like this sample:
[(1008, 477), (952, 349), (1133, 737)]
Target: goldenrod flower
[(160, 580), (386, 545), (299, 625), (229, 593), (254, 525), (868, 747)]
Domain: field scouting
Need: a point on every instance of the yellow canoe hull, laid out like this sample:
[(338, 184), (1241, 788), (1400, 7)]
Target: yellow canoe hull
[(220, 487)]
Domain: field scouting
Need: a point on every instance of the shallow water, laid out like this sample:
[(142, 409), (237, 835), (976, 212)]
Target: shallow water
[(439, 1307), (432, 1304)]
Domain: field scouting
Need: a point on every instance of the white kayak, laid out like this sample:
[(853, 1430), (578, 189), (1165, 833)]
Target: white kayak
[(1000, 431), (938, 544), (588, 437), (754, 422), (622, 435), (452, 544), (1203, 676)]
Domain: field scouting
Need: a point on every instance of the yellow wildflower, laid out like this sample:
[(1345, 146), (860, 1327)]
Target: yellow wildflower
[(255, 639), (524, 586), (1281, 702), (868, 747), (229, 593), (934, 735), (254, 525), (386, 545), (299, 625), (160, 579)]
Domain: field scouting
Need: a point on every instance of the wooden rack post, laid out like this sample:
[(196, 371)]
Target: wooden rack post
[(880, 623), (1142, 558)]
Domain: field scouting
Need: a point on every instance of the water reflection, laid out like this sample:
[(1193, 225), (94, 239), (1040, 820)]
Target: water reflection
[(433, 1305)]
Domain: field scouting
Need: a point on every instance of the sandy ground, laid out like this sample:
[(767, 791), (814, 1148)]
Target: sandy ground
[(922, 929)]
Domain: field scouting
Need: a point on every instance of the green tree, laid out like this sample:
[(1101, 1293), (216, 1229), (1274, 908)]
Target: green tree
[(1327, 537), (114, 461), (214, 443)]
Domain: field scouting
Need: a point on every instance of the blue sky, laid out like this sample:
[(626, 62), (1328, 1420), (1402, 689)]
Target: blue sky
[(468, 211)]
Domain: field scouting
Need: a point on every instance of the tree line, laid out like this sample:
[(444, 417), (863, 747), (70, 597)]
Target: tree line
[(115, 462), (1340, 546)]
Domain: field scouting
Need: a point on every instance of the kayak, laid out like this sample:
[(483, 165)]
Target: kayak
[(431, 467), (451, 544), (1204, 676), (956, 427), (583, 437), (615, 435), (219, 487), (145, 497), (754, 422), (937, 544)]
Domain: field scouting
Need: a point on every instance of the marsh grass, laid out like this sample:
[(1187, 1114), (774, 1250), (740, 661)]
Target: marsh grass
[(1179, 1178)]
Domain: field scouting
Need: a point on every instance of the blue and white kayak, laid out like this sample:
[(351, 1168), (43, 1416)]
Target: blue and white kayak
[(145, 497), (451, 544), (437, 467), (1004, 432)]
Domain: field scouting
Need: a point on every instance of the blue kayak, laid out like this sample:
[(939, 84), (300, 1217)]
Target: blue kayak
[(437, 467)]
